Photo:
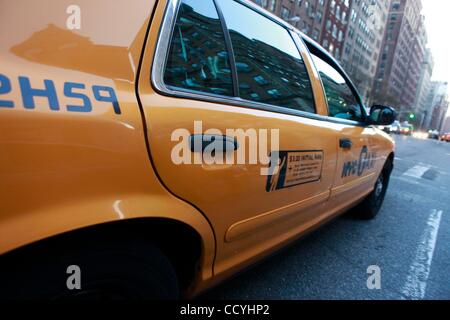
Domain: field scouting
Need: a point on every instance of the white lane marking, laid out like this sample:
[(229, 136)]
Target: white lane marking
[(416, 282), (417, 171), (407, 180)]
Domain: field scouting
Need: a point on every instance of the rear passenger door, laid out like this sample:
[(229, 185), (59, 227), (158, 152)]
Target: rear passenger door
[(221, 65), (355, 174)]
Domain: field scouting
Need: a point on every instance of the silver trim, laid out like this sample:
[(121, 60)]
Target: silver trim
[(162, 46), (160, 59)]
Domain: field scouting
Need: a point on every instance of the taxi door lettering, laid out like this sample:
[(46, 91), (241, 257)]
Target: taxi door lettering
[(71, 90), (5, 87), (111, 97), (358, 167), (68, 92), (28, 93), (363, 161)]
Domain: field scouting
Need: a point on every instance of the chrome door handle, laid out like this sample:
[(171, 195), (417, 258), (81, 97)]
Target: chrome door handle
[(198, 142), (345, 144)]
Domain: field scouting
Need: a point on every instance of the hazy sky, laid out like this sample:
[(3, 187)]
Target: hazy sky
[(437, 20)]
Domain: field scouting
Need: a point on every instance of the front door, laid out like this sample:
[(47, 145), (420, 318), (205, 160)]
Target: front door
[(356, 170)]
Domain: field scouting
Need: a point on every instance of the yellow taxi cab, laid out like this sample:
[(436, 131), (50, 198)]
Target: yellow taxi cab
[(106, 109), (445, 137)]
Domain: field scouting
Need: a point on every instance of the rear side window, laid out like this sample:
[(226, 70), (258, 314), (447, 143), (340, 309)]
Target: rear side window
[(198, 59), (269, 66), (342, 103)]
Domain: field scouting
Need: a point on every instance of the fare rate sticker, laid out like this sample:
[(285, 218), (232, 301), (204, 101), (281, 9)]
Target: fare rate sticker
[(296, 168)]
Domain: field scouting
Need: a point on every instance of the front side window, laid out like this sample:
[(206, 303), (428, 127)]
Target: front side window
[(198, 59), (342, 103), (269, 66)]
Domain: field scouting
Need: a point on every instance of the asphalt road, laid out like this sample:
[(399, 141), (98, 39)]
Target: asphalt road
[(409, 241)]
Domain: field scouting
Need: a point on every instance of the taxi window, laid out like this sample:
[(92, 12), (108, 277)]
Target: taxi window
[(269, 66), (198, 59), (342, 103)]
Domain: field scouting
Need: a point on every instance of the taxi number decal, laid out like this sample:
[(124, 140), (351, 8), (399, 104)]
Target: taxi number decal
[(47, 90), (296, 168)]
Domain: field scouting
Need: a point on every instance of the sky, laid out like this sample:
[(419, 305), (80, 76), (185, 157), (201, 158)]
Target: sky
[(437, 21)]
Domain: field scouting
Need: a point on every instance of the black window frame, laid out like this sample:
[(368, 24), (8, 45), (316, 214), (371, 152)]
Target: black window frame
[(162, 52)]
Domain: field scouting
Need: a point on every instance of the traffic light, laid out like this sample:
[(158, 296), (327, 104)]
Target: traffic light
[(412, 116)]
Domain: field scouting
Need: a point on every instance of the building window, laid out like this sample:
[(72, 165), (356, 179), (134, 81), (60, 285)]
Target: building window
[(273, 5), (319, 16), (285, 13), (335, 31), (315, 34)]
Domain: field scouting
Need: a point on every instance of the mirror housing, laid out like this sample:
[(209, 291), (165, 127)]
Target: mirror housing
[(382, 115)]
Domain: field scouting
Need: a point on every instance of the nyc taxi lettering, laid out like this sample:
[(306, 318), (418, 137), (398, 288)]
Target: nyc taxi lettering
[(365, 162), (47, 90)]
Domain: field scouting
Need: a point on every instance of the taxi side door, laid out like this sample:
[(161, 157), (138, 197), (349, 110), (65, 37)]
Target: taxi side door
[(218, 65), (358, 156)]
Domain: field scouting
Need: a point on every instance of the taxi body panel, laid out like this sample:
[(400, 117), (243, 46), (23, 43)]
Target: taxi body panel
[(64, 169), (85, 139)]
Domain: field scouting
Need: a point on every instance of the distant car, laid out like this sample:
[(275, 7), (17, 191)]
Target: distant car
[(395, 127), (433, 134), (406, 129), (445, 137), (420, 135)]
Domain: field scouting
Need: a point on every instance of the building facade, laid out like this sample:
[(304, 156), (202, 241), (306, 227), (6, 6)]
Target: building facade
[(380, 43), (306, 15), (446, 127), (335, 28), (401, 57), (439, 105), (423, 104), (362, 45)]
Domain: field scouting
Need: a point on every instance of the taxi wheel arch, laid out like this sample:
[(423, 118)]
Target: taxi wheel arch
[(369, 208), (177, 243)]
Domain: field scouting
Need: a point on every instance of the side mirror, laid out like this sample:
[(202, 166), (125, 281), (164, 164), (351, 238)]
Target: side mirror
[(382, 115)]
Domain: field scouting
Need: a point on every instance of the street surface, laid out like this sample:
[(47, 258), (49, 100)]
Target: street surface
[(409, 241)]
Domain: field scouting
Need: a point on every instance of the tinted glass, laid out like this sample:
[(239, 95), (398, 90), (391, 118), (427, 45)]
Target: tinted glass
[(342, 103), (198, 59), (270, 68)]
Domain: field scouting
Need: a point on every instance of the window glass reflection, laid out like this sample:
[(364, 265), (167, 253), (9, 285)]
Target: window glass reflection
[(270, 68), (342, 103), (198, 59)]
